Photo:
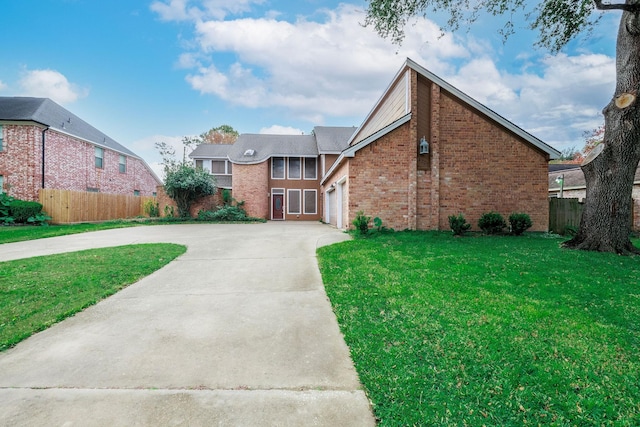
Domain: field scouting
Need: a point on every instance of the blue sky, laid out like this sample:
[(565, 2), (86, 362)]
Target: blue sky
[(144, 71)]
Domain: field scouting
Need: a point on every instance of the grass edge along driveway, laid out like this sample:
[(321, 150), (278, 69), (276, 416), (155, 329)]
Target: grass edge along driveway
[(489, 330), (37, 292)]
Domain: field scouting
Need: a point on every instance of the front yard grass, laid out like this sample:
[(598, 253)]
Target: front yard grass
[(13, 233), (492, 331), (38, 292)]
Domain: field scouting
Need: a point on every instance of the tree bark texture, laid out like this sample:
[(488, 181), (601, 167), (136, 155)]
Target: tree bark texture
[(606, 218)]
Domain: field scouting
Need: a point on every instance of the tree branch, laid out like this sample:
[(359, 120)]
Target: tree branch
[(635, 7)]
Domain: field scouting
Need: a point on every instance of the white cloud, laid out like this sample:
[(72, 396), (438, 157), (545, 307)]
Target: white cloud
[(281, 130), (146, 149), (2, 85), (50, 84), (332, 67), (315, 69)]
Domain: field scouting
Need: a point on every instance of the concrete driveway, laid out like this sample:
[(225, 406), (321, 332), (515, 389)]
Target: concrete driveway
[(237, 331)]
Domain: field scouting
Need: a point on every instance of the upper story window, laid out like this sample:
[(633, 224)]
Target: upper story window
[(221, 167), (277, 168), (1, 139), (199, 164), (294, 168), (122, 164), (99, 157), (310, 168)]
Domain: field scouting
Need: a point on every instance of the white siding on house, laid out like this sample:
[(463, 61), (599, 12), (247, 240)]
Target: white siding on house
[(394, 106)]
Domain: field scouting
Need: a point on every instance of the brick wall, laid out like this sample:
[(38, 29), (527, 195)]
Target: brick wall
[(20, 161), (379, 179), (251, 185), (474, 166), (484, 167), (69, 165)]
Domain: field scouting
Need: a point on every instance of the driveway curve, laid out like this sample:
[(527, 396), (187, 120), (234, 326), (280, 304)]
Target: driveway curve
[(238, 331)]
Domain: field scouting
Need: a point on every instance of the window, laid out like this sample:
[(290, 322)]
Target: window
[(294, 201), (310, 197), (122, 164), (219, 167), (277, 168), (310, 168), (294, 167), (136, 192), (99, 157), (199, 164), (1, 139), (92, 190), (1, 184)]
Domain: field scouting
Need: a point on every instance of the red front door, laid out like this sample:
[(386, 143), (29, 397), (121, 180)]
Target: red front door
[(277, 206)]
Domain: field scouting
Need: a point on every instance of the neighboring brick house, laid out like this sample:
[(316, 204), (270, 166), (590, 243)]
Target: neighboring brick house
[(574, 186), (42, 145), (426, 151)]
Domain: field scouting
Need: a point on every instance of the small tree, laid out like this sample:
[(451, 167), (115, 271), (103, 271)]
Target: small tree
[(186, 184)]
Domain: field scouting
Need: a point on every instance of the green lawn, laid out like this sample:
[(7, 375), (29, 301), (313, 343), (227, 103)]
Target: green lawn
[(38, 292), (9, 234), (496, 331)]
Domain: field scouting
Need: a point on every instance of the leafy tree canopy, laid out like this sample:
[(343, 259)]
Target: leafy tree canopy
[(557, 21)]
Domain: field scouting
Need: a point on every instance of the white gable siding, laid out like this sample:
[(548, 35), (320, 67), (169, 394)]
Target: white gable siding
[(392, 107)]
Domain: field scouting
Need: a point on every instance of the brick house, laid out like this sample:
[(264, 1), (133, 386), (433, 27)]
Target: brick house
[(42, 145), (278, 176), (424, 152)]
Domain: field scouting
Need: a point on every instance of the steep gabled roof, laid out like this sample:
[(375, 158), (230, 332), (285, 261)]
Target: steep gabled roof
[(553, 153), (333, 139), (256, 148), (52, 115), (483, 109)]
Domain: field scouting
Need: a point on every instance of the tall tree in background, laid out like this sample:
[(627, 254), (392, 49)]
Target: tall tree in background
[(223, 134), (610, 167)]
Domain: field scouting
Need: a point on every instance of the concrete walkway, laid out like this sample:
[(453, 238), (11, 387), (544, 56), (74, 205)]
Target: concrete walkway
[(236, 332)]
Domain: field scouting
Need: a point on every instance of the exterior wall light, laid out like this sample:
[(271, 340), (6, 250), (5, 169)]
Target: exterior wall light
[(424, 146)]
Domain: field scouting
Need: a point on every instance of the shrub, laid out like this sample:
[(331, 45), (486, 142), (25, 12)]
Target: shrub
[(458, 224), (22, 210), (519, 222), (5, 208), (224, 213), (361, 222), (151, 208), (491, 222)]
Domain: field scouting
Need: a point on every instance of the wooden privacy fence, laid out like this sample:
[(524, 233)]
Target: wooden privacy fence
[(564, 213), (65, 206)]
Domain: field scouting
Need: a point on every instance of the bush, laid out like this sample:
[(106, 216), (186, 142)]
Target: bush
[(5, 208), (227, 213), (491, 222), (22, 210), (519, 223), (361, 222), (151, 208), (458, 224)]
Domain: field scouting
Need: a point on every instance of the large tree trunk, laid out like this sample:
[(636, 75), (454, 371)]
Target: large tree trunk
[(609, 171)]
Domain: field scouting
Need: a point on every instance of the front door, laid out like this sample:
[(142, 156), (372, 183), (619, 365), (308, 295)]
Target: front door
[(277, 206)]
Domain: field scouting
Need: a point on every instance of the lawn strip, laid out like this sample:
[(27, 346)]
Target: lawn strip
[(489, 330), (38, 292)]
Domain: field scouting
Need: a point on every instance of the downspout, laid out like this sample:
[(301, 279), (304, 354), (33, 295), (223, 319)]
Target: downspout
[(43, 151)]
